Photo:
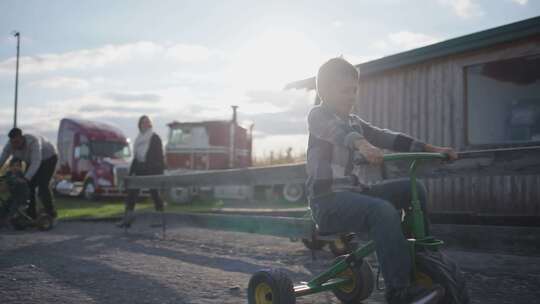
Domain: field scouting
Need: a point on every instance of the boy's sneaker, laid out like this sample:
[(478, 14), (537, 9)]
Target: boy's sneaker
[(415, 294)]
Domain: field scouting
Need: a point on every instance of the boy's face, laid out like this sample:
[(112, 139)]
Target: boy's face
[(342, 94)]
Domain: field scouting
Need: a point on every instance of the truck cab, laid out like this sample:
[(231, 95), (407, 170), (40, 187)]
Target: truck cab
[(93, 158), (207, 145)]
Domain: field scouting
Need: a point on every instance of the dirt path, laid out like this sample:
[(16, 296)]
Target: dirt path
[(97, 263)]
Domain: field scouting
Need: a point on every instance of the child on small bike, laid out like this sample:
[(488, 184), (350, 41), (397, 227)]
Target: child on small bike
[(19, 193), (335, 137)]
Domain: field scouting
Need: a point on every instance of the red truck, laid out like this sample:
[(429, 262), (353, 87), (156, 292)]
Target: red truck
[(93, 158), (208, 145), (213, 145)]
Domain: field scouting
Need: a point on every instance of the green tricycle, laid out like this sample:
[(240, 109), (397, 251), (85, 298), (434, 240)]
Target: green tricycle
[(351, 277)]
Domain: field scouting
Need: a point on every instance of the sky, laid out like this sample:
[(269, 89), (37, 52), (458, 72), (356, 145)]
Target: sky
[(113, 61)]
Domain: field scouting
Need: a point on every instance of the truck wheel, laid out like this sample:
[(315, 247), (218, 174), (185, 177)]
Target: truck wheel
[(433, 267), (293, 193), (89, 191), (270, 286), (361, 285), (179, 195)]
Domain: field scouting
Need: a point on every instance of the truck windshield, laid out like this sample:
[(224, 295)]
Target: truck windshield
[(110, 149), (180, 136)]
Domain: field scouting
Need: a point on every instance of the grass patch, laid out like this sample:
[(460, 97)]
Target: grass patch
[(72, 208)]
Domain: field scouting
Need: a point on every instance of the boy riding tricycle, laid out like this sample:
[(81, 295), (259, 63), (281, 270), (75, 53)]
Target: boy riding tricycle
[(413, 268)]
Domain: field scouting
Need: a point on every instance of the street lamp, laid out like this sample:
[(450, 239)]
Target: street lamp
[(18, 35)]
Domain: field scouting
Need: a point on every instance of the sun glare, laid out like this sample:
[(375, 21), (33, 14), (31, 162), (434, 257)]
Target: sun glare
[(273, 58)]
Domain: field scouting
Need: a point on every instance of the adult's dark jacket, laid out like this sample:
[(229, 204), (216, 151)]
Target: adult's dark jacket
[(154, 163)]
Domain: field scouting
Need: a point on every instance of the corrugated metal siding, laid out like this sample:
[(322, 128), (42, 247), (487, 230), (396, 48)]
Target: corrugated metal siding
[(427, 101)]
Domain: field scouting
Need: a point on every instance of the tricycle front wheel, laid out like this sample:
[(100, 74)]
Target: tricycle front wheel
[(361, 285), (270, 286)]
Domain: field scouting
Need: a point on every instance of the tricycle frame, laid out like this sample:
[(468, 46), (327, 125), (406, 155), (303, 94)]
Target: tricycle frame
[(413, 222)]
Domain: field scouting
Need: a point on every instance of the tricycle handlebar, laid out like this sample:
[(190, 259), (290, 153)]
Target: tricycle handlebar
[(411, 156), (414, 156)]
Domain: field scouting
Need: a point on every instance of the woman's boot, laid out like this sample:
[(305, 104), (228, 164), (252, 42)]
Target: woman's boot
[(129, 218)]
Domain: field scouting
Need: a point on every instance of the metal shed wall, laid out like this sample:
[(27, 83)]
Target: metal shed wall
[(427, 100)]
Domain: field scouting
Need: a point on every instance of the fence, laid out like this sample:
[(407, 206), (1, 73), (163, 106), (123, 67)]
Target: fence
[(495, 162)]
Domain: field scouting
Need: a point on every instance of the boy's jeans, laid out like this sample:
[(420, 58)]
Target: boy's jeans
[(375, 210)]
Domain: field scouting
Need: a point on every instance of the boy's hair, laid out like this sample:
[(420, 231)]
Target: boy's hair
[(15, 132), (333, 70)]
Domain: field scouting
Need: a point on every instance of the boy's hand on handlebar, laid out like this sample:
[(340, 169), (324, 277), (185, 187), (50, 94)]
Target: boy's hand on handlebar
[(371, 153), (452, 155)]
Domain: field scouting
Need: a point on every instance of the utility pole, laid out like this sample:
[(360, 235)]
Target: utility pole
[(232, 139), (18, 35)]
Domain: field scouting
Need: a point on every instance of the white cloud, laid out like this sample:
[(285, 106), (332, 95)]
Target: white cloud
[(402, 41), (337, 23), (185, 53), (262, 147), (132, 97), (281, 99), (360, 59), (521, 2), (409, 40), (273, 58), (116, 91), (61, 83), (110, 55), (465, 8)]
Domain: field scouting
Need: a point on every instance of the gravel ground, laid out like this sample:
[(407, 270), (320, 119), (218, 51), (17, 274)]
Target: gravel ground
[(84, 262)]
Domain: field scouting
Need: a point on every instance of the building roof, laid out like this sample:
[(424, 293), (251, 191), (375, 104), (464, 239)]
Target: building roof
[(478, 40)]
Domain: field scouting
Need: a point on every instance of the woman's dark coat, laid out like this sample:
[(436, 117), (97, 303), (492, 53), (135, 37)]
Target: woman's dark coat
[(154, 163)]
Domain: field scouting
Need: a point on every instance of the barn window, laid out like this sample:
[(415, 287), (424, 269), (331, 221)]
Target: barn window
[(503, 101)]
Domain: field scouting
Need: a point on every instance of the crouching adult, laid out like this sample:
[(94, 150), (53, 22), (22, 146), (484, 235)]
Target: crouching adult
[(40, 157)]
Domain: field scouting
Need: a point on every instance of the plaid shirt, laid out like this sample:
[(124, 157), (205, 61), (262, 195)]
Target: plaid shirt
[(331, 148)]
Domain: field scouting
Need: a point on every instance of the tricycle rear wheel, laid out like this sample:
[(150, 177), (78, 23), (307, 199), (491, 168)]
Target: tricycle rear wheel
[(433, 267)]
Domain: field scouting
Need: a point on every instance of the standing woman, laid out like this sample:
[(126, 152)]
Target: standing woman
[(148, 160)]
